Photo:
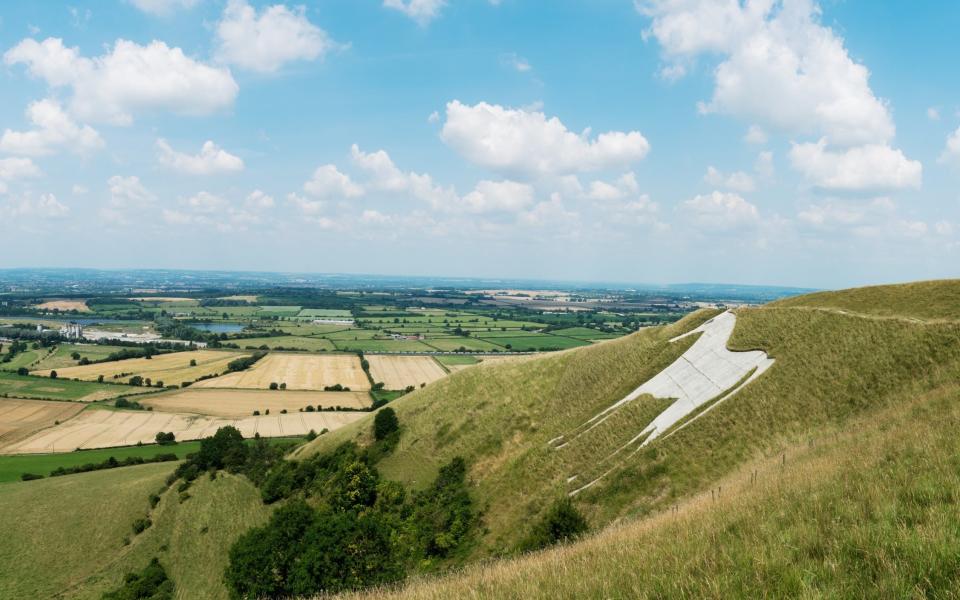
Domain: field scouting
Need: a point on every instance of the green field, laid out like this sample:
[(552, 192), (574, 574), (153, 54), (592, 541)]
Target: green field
[(583, 333), (455, 360), (44, 388), (62, 356), (324, 312), (454, 344), (309, 344), (23, 359), (13, 466), (370, 345), (544, 341)]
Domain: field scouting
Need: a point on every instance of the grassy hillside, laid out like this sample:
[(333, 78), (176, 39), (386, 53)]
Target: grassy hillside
[(499, 417), (926, 300), (831, 367), (57, 531), (868, 510), (65, 536)]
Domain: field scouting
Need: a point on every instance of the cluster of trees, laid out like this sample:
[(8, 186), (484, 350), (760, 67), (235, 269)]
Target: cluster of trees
[(227, 450), (140, 381), (152, 583), (130, 404), (15, 348), (165, 439), (245, 362), (357, 530)]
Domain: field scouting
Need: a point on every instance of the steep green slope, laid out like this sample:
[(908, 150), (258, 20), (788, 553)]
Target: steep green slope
[(500, 418), (830, 367), (65, 536), (191, 538), (868, 511), (927, 300), (55, 532)]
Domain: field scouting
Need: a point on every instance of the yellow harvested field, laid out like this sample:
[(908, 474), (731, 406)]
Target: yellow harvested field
[(171, 369), (398, 372), (64, 305), (298, 371), (242, 297), (19, 419), (109, 428), (242, 403)]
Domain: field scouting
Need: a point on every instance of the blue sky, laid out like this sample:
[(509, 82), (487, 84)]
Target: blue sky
[(761, 141)]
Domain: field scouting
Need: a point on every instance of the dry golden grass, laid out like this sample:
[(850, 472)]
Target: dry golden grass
[(298, 371), (171, 369), (19, 419), (240, 297), (64, 305), (398, 372), (242, 403)]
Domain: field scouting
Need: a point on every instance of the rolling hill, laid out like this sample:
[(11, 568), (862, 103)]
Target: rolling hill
[(832, 472)]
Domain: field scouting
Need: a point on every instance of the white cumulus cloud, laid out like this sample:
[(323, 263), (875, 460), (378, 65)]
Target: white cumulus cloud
[(163, 8), (861, 168), (328, 182), (779, 66), (211, 159), (127, 78), (421, 11), (266, 41), (951, 152), (53, 131), (720, 211), (737, 181), (44, 206), (17, 168), (519, 142), (499, 196)]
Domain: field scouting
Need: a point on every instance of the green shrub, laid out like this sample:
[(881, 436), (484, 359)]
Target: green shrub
[(151, 583), (563, 522), (385, 423), (141, 525)]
